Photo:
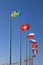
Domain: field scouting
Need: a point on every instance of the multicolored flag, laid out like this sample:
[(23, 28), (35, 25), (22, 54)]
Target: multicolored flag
[(30, 58), (33, 55), (34, 51), (15, 13), (33, 41), (31, 35), (24, 27), (34, 46)]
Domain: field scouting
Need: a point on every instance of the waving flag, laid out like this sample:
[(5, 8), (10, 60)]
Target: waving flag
[(24, 27), (15, 13), (33, 55), (36, 51), (30, 58), (33, 41), (34, 46), (31, 35)]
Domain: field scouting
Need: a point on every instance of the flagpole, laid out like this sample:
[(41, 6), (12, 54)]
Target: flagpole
[(10, 37), (29, 55), (32, 61), (20, 47), (26, 51)]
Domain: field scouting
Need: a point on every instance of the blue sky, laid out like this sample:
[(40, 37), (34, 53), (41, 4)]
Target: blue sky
[(32, 13)]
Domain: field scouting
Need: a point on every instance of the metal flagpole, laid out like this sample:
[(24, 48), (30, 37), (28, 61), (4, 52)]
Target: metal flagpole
[(26, 51), (20, 47), (30, 55), (10, 37), (32, 60)]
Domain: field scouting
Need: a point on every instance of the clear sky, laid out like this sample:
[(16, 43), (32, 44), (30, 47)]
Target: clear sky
[(32, 13)]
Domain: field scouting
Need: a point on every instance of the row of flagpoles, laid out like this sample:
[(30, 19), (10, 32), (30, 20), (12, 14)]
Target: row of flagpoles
[(33, 42), (30, 37)]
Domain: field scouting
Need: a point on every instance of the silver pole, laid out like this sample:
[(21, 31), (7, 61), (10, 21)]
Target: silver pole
[(26, 51), (20, 47), (30, 55), (10, 37)]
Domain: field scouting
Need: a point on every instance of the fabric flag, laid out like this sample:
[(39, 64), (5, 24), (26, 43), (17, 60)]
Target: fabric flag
[(24, 27), (34, 51), (15, 14), (34, 46), (33, 55), (30, 58), (31, 35), (33, 41)]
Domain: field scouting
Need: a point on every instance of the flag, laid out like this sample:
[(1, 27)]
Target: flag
[(31, 35), (33, 41), (34, 46), (30, 58), (24, 27), (15, 14), (33, 55), (35, 51)]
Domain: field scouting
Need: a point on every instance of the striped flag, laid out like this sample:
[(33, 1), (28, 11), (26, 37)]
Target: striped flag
[(33, 41), (34, 53), (31, 35), (24, 27)]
